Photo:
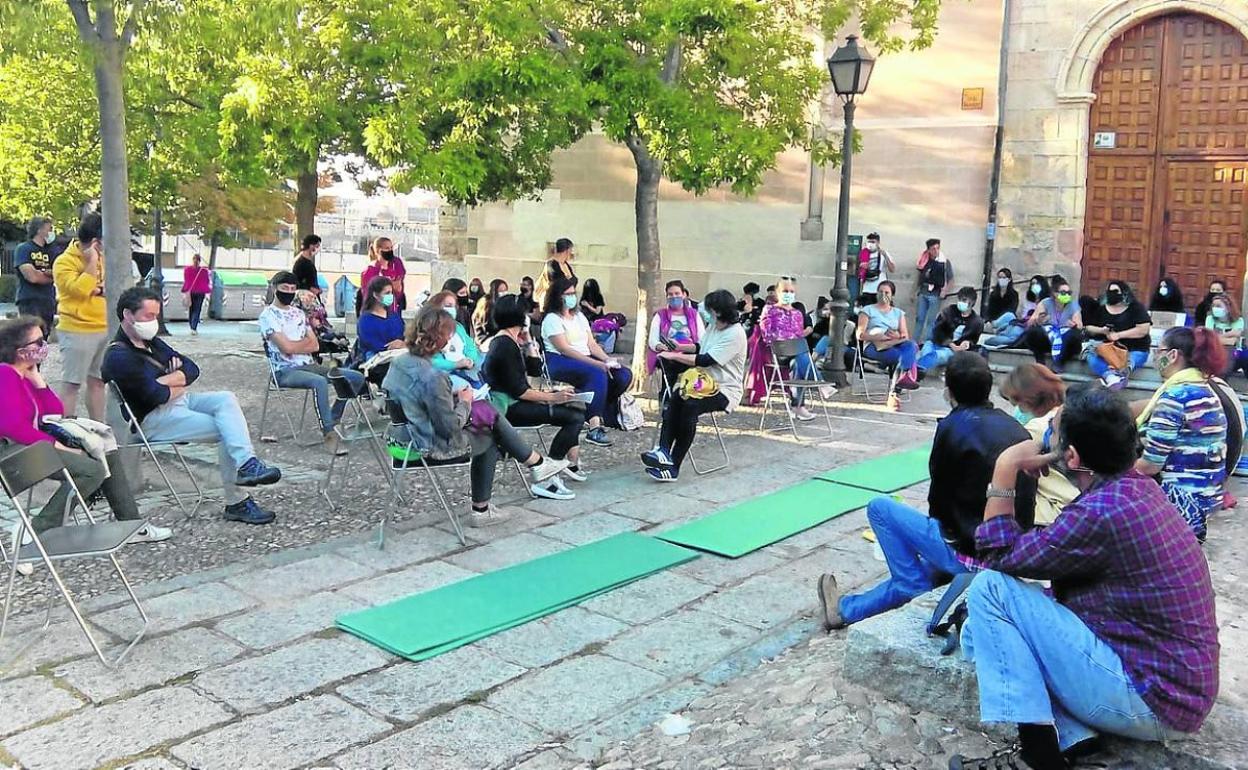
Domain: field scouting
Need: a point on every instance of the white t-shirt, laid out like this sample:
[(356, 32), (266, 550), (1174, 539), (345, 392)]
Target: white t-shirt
[(728, 348), (575, 331), (873, 286), (292, 322)]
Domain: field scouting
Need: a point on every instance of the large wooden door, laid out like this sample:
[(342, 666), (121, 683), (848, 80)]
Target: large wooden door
[(1168, 137)]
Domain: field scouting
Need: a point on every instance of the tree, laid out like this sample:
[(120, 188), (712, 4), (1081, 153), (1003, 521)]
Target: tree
[(219, 211)]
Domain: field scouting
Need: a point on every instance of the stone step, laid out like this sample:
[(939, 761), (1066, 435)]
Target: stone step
[(891, 653), (1145, 379)]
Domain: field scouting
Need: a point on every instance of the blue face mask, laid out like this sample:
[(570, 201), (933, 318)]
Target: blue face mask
[(706, 316), (387, 300), (963, 307), (675, 303), (1022, 417), (569, 301)]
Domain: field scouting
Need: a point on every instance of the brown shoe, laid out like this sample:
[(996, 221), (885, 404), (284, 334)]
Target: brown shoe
[(333, 444), (830, 600)]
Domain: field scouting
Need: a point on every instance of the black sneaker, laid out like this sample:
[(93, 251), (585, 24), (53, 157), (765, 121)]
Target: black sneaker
[(254, 473), (248, 512)]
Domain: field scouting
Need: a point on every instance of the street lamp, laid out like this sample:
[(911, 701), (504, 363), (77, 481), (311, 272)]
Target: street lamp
[(850, 67)]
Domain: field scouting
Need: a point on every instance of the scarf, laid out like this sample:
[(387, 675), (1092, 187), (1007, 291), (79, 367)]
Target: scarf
[(1186, 376)]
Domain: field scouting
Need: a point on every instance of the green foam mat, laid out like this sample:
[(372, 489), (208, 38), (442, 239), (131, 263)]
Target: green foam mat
[(888, 473), (759, 522), (421, 626)]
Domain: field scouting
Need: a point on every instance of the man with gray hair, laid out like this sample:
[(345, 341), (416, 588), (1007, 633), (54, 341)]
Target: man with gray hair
[(32, 259)]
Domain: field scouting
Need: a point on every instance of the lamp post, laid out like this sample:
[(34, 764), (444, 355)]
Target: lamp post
[(850, 67)]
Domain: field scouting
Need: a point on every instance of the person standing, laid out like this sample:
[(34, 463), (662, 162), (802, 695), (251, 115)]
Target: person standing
[(36, 294), (304, 268), (876, 266), (384, 263), (935, 273), (78, 275), (196, 284)]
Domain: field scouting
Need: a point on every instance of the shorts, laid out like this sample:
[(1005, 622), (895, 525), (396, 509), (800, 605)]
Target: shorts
[(82, 353)]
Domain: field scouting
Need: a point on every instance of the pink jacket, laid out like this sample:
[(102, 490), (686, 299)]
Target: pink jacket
[(664, 317), (196, 280), (24, 405), (394, 270)]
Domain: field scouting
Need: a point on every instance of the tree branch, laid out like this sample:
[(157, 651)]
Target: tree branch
[(671, 63), (82, 18), (557, 39), (132, 23)]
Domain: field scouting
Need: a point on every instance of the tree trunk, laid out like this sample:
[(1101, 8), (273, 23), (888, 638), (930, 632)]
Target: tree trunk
[(115, 182), (157, 280), (649, 260), (214, 241), (305, 203)]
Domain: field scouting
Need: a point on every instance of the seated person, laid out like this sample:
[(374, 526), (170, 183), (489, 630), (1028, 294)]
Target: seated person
[(28, 399), (886, 340), (1183, 427), (721, 357), (461, 358), (1121, 318), (1037, 395), (783, 321), (1217, 287), (820, 339), (1001, 310), (575, 357), (1167, 298), (290, 343), (438, 419), (920, 549), (957, 329), (483, 326), (1224, 319), (463, 300), (380, 326), (593, 305), (677, 327), (750, 307), (1127, 641), (1055, 331), (512, 359), (1004, 334), (155, 380)]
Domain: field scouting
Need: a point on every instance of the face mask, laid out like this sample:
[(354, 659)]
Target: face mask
[(463, 301), (1164, 362), (387, 255), (34, 354), (787, 297), (1216, 292), (1004, 283), (569, 301), (1113, 297), (449, 311), (475, 291), (963, 307), (146, 330), (872, 247), (1064, 297), (1035, 290), (1163, 291), (705, 315), (1219, 312), (284, 297), (675, 303), (1022, 417), (387, 300), (886, 299)]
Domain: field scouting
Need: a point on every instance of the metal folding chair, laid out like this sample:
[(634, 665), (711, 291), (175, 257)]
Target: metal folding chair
[(21, 470), (399, 465), (149, 445), (864, 366), (664, 394), (774, 379), (276, 391), (364, 430)]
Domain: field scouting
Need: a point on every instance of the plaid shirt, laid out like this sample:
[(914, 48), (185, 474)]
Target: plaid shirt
[(1123, 560)]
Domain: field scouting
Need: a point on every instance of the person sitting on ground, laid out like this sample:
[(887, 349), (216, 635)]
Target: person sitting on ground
[(380, 326), (918, 548), (719, 358), (575, 357), (1224, 319), (1183, 426), (463, 303), (593, 305), (1167, 297), (483, 326), (440, 421), (1007, 334), (958, 328), (156, 382), (384, 263), (28, 399), (886, 340), (783, 321), (82, 317), (512, 359), (1120, 319), (1217, 288), (289, 344), (1037, 395), (1126, 643), (461, 358), (1002, 308), (676, 327), (1055, 331)]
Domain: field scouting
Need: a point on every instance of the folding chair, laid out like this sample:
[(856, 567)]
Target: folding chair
[(399, 465), (773, 375), (20, 471), (719, 434), (861, 370), (364, 430), (275, 390), (150, 445)]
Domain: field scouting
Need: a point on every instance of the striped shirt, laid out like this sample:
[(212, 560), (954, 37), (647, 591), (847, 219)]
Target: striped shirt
[(1186, 437), (1123, 559)]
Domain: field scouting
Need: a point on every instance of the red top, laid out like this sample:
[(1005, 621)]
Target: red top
[(24, 406), (392, 269), (196, 280)]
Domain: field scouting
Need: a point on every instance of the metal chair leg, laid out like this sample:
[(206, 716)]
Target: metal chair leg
[(723, 447), (446, 506)]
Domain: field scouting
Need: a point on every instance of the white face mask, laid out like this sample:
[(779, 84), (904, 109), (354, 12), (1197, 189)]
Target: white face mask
[(787, 297), (872, 246), (146, 330), (1004, 283)]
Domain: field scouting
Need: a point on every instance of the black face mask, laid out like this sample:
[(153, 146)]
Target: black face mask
[(284, 297), (387, 255), (1113, 297), (525, 291), (463, 301)]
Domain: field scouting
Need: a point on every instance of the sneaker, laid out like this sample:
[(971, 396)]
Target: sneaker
[(491, 516), (25, 569), (248, 512), (598, 436), (194, 332), (830, 601), (547, 468), (150, 533), (894, 403), (803, 414), (1114, 381), (662, 474), (657, 458), (334, 445), (577, 473), (907, 382), (254, 472), (1005, 759), (553, 490)]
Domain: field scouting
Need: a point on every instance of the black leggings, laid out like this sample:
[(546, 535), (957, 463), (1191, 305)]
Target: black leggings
[(1036, 339), (569, 420), (680, 422), (485, 456)]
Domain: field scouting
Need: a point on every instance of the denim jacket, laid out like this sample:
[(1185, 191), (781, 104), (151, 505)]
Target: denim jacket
[(436, 419)]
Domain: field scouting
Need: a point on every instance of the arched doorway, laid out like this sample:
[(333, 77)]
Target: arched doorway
[(1167, 187)]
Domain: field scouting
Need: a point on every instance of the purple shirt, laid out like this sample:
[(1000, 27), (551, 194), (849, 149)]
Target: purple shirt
[(1123, 559)]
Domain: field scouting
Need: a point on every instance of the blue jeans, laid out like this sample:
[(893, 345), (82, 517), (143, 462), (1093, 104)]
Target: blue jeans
[(915, 552), (902, 355), (801, 367), (1135, 359), (933, 355), (315, 378), (1038, 663), (925, 315), (822, 346), (606, 387), (207, 417)]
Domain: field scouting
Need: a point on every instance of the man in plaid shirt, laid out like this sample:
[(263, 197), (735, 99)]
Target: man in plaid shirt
[(1128, 643)]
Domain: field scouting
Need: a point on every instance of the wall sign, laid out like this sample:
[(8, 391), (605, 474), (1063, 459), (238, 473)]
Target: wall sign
[(972, 98), (1105, 140)]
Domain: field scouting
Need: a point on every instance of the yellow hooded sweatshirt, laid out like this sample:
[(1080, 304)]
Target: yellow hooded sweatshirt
[(79, 307)]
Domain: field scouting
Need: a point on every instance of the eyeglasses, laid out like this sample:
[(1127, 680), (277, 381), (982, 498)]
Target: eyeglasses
[(41, 342)]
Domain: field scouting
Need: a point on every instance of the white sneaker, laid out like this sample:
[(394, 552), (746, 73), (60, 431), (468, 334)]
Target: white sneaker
[(151, 533), (580, 474), (25, 569), (546, 468), (489, 517), (553, 489), (803, 414)]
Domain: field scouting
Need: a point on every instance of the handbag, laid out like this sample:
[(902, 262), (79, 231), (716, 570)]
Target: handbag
[(631, 416), (1113, 354), (696, 383), (481, 418)]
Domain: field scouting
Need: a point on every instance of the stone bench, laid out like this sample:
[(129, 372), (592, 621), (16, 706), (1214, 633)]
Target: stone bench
[(891, 653)]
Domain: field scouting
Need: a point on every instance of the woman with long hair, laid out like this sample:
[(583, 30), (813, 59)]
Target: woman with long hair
[(384, 263), (593, 306), (1224, 319), (1008, 334), (483, 325), (1119, 320), (1037, 395), (1167, 297), (380, 326)]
